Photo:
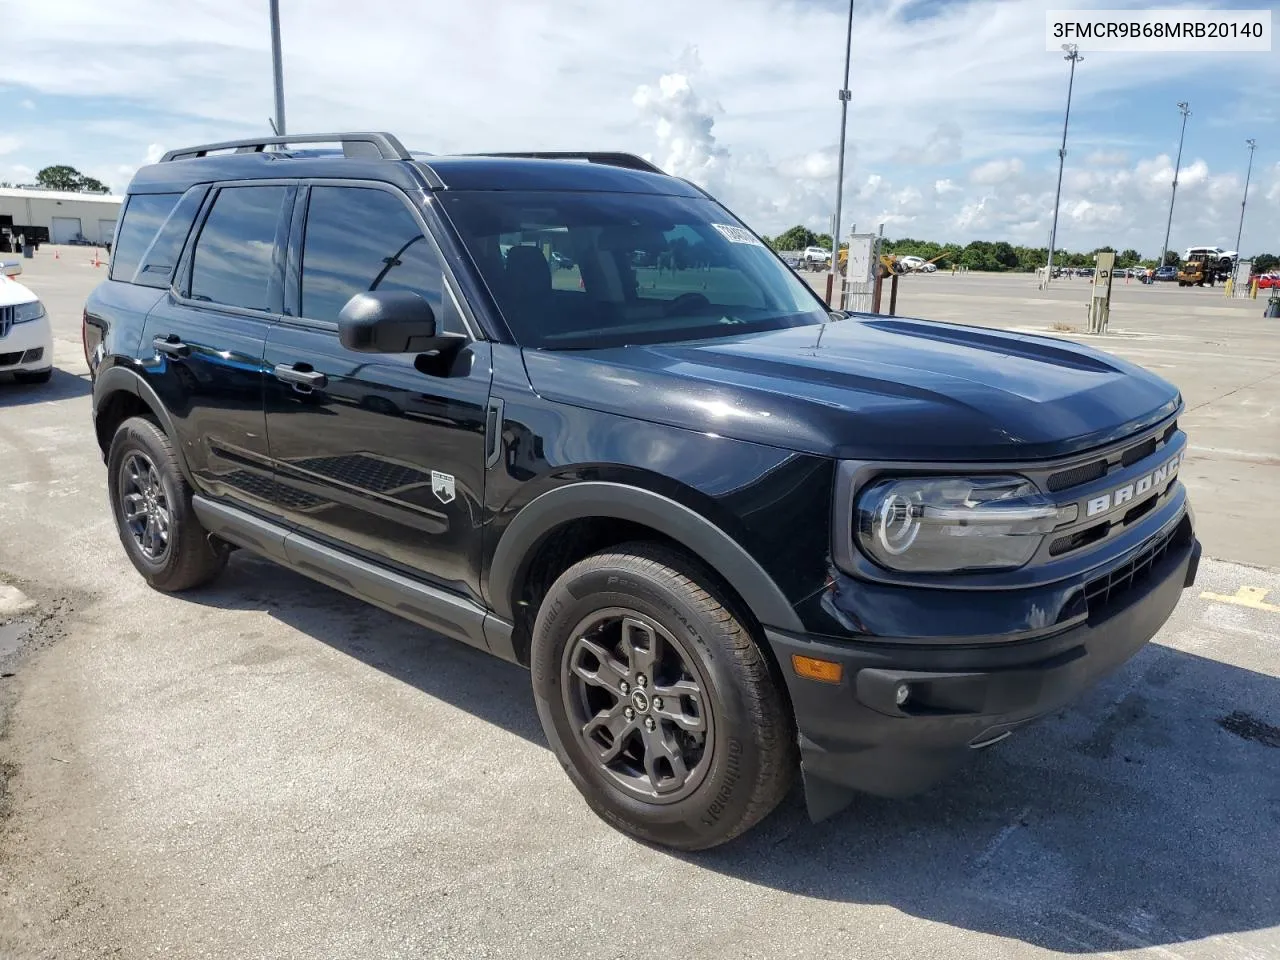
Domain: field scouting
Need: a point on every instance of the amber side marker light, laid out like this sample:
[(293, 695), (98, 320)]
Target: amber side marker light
[(815, 669)]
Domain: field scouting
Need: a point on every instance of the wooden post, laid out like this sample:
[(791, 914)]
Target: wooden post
[(875, 292), (831, 277), (893, 296)]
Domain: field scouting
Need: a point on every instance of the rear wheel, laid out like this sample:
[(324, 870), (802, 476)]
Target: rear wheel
[(657, 700), (151, 503)]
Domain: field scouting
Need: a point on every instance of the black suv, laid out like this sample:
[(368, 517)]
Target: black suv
[(571, 411)]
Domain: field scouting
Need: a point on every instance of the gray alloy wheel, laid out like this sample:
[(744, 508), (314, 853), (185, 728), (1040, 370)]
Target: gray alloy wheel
[(144, 505), (636, 699)]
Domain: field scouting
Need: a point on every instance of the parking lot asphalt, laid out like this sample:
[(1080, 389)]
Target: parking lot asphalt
[(266, 768)]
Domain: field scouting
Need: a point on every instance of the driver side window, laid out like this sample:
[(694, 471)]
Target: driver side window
[(360, 239)]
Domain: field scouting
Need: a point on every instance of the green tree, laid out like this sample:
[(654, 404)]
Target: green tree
[(1171, 259), (1128, 258), (797, 238), (62, 177), (822, 240), (1265, 263)]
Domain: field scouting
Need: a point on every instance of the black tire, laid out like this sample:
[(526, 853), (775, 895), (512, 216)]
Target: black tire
[(37, 376), (738, 769), (186, 556)]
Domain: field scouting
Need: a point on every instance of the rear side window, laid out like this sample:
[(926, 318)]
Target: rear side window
[(143, 216), (234, 259), (360, 239), (161, 258)]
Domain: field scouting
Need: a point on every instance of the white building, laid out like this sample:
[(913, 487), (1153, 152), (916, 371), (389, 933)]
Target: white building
[(57, 216)]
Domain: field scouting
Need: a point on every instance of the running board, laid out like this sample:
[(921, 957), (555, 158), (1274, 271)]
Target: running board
[(427, 606)]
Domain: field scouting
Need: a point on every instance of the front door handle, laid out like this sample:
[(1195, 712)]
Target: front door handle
[(171, 346), (300, 376)]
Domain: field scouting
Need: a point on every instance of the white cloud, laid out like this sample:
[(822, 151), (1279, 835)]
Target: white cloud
[(682, 123), (9, 145), (996, 171), (27, 104)]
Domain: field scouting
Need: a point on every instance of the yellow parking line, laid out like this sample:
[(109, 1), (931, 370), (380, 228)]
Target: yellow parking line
[(1251, 597)]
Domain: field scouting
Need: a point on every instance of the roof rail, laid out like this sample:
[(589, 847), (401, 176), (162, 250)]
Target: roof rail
[(361, 145), (628, 160)]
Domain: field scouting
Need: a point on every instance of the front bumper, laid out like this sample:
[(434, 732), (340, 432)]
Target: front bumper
[(855, 737), (27, 346)]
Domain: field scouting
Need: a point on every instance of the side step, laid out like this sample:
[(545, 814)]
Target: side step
[(428, 606)]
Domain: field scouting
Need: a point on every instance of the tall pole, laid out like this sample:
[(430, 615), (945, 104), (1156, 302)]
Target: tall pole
[(1240, 233), (277, 68), (1073, 54), (1177, 165), (845, 97)]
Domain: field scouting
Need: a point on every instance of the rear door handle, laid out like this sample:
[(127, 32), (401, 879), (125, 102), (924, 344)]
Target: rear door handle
[(171, 346), (298, 375)]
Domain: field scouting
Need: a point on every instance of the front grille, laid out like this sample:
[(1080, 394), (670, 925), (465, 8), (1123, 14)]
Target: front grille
[(1102, 591), (1084, 473), (1081, 538), (10, 359), (6, 320), (1140, 452)]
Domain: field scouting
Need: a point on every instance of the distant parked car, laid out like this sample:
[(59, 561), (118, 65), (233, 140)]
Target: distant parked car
[(792, 261), (815, 255), (1269, 281), (1166, 273)]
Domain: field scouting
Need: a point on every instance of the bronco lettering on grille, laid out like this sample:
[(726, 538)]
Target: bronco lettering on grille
[(1122, 495)]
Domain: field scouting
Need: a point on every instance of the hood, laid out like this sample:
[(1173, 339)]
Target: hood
[(13, 293), (873, 389)]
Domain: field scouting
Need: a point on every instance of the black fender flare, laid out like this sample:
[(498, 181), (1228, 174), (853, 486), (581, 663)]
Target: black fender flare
[(618, 501), (123, 380)]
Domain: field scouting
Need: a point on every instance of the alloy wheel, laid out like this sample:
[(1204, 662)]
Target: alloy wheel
[(144, 506), (638, 704)]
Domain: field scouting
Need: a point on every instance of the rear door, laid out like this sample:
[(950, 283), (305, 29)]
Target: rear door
[(380, 454), (204, 342)]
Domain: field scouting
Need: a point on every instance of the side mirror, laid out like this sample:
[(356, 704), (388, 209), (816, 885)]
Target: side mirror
[(389, 321), (10, 268)]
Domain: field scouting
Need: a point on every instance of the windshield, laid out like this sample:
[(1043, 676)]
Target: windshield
[(582, 270)]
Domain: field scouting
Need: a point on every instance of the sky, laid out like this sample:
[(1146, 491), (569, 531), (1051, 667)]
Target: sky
[(953, 129)]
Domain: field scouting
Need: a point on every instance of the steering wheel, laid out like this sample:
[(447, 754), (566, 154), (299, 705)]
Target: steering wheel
[(690, 302)]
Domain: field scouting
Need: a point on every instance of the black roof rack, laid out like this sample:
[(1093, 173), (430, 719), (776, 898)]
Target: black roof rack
[(362, 145), (628, 160)]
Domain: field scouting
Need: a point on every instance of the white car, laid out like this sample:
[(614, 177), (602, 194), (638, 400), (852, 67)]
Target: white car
[(26, 336), (816, 255)]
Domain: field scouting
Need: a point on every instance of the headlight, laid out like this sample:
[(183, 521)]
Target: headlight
[(24, 312), (947, 524)]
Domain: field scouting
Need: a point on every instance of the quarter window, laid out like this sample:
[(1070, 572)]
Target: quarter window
[(142, 219), (234, 259), (360, 239)]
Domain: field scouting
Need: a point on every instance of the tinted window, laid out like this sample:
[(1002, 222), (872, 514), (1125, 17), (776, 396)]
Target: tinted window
[(161, 258), (359, 240), (234, 258), (580, 270), (142, 218)]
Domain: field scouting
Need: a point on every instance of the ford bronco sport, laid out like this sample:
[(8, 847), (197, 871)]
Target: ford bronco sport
[(731, 532)]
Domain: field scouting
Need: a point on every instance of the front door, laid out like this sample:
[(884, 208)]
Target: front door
[(381, 454)]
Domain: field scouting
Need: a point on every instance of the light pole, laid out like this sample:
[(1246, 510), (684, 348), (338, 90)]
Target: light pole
[(1073, 54), (1253, 144), (845, 97), (1177, 165), (277, 68)]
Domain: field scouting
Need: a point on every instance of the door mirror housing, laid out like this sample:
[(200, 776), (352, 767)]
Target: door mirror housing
[(10, 268), (391, 321)]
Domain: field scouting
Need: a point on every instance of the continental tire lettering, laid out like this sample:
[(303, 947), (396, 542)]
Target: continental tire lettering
[(734, 750)]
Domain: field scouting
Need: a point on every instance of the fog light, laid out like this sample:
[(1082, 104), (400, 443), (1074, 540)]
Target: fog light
[(902, 694)]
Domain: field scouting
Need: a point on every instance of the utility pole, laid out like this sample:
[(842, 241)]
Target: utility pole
[(1073, 54), (1253, 144), (1177, 165), (277, 68), (845, 96)]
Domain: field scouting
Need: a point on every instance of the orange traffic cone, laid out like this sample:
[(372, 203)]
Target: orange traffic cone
[(55, 254)]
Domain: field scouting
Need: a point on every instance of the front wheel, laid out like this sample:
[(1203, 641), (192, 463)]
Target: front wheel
[(658, 702)]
